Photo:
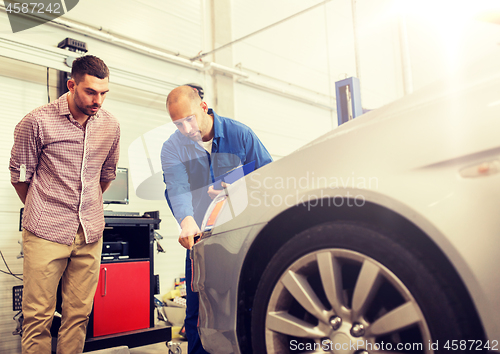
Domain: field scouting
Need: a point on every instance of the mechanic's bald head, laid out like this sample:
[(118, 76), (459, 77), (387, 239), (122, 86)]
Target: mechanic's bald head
[(183, 95), (189, 113)]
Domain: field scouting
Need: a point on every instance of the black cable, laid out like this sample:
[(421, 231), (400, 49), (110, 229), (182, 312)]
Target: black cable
[(17, 314), (48, 86), (10, 272)]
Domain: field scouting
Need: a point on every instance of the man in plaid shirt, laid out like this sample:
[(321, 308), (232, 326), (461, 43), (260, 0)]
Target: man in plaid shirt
[(64, 157)]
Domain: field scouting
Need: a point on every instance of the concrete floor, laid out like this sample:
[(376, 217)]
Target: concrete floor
[(156, 349)]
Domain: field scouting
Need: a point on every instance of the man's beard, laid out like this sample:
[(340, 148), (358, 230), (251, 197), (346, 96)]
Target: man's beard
[(196, 137), (87, 110)]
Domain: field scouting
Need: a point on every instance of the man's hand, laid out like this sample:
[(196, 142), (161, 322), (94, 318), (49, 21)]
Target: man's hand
[(189, 230), (22, 190), (105, 185), (215, 192)]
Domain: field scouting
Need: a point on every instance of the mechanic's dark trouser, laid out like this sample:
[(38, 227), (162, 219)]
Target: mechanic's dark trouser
[(191, 321)]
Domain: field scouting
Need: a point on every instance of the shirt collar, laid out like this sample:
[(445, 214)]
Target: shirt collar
[(218, 129), (63, 105)]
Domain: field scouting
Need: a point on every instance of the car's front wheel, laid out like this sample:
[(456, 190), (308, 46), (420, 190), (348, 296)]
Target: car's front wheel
[(347, 288)]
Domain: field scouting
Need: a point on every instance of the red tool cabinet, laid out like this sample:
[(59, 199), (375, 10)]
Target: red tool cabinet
[(122, 299), (123, 312)]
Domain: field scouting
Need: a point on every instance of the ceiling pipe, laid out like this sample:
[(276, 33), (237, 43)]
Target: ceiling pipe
[(240, 76), (226, 70), (124, 43), (97, 34)]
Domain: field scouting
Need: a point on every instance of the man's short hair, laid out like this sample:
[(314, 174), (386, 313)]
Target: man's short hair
[(198, 89), (89, 65)]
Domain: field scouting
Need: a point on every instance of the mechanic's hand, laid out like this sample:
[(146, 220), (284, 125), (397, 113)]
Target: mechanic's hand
[(189, 230), (215, 192)]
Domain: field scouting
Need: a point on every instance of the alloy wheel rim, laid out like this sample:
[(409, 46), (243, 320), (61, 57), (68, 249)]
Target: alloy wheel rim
[(344, 302)]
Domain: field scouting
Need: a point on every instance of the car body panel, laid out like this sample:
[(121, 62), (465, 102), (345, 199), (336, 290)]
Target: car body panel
[(212, 278), (408, 157)]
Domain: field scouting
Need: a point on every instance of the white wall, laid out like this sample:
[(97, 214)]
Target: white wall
[(317, 48), (287, 98)]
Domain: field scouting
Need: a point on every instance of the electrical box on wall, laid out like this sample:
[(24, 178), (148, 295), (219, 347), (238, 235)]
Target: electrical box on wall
[(73, 45), (348, 96)]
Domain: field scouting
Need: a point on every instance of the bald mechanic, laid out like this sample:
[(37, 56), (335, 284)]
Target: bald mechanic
[(204, 147)]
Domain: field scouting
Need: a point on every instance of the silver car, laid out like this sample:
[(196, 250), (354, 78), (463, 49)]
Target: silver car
[(381, 236)]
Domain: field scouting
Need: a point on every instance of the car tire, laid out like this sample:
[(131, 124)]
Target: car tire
[(345, 287)]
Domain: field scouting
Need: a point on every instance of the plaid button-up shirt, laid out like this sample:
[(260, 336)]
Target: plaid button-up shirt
[(64, 163)]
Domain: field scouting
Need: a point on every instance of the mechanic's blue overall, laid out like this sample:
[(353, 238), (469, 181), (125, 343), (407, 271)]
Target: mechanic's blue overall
[(191, 321)]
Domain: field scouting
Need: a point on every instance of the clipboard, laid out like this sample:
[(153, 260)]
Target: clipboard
[(234, 175)]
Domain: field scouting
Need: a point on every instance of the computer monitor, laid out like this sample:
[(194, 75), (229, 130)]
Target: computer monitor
[(117, 192)]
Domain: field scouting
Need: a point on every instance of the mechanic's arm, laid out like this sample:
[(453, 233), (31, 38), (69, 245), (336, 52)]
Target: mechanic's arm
[(178, 194), (22, 190)]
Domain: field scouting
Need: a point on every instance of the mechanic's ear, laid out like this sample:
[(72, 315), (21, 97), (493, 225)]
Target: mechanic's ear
[(204, 106)]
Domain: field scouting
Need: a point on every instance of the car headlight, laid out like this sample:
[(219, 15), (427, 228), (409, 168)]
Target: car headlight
[(212, 214)]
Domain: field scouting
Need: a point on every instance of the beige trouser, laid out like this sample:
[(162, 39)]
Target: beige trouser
[(45, 262)]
